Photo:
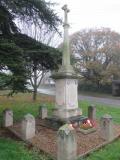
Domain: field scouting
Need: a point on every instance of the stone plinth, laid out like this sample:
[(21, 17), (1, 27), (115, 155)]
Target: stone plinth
[(106, 126), (66, 98), (28, 127), (67, 143), (7, 118)]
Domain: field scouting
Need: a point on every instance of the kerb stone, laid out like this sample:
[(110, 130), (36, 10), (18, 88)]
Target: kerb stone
[(7, 118), (106, 127), (43, 112), (67, 143), (28, 127), (92, 112)]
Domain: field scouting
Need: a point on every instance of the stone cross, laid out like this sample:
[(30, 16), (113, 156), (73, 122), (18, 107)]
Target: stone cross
[(66, 53), (66, 83), (66, 10)]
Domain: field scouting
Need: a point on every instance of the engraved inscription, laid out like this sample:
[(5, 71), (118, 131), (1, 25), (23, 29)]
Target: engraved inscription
[(71, 97), (60, 94)]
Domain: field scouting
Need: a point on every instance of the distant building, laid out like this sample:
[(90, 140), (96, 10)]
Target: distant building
[(47, 79), (116, 87)]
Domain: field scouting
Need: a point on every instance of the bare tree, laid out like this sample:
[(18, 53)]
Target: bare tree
[(41, 33), (43, 59), (95, 54)]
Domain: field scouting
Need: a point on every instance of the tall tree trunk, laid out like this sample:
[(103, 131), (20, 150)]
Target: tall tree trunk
[(35, 84), (35, 93), (98, 85)]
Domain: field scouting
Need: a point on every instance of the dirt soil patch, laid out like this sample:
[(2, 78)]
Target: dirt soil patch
[(46, 138), (5, 133)]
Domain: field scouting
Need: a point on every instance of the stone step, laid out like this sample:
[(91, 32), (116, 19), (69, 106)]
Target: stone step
[(56, 123)]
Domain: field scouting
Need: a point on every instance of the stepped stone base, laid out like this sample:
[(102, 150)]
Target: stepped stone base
[(63, 113), (46, 138), (56, 122)]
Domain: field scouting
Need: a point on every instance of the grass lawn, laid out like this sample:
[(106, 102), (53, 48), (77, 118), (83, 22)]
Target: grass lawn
[(22, 104), (12, 150)]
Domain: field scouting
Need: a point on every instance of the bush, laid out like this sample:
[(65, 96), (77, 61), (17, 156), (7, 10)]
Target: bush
[(87, 86)]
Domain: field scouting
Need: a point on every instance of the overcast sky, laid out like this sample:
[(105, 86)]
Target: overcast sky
[(91, 13)]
